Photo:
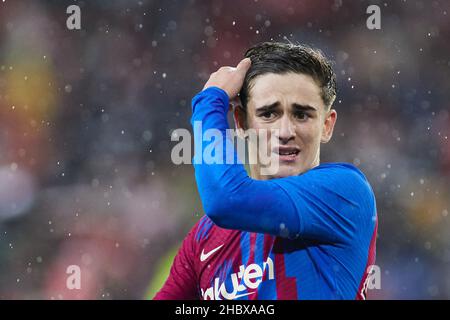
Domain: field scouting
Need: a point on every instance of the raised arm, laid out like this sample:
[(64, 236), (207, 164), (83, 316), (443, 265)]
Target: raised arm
[(324, 204)]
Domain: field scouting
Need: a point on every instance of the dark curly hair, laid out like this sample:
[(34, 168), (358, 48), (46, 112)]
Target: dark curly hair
[(278, 57)]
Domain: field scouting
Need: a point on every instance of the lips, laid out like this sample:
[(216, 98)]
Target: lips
[(287, 153)]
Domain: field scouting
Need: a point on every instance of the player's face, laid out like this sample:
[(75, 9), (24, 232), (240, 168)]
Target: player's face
[(290, 103)]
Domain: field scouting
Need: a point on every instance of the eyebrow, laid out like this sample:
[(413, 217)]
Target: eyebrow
[(268, 107), (304, 107), (297, 106)]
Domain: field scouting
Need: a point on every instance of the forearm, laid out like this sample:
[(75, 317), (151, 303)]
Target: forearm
[(230, 197)]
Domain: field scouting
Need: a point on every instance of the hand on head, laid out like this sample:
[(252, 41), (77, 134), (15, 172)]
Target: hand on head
[(229, 79)]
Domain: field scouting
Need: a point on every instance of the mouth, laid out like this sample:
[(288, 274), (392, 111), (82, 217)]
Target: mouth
[(286, 153)]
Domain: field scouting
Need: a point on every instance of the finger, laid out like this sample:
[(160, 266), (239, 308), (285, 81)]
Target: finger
[(244, 64)]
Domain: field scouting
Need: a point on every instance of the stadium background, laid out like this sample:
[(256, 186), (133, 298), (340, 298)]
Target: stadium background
[(86, 117)]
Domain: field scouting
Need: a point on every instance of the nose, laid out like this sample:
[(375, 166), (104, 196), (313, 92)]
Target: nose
[(286, 130)]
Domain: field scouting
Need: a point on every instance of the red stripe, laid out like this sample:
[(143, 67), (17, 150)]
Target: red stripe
[(360, 295)]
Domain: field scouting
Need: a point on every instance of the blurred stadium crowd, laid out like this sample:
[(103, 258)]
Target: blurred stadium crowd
[(85, 120)]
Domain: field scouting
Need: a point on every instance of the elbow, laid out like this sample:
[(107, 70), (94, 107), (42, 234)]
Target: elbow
[(218, 210)]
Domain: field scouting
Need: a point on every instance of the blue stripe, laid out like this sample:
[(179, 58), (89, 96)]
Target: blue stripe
[(203, 229), (267, 290), (245, 247), (259, 249)]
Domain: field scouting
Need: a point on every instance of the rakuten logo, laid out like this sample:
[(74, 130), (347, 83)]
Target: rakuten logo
[(248, 277)]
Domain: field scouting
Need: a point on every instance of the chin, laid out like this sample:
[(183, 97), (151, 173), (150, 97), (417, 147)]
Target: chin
[(287, 171)]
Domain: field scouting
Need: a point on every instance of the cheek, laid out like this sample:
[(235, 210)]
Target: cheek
[(309, 133)]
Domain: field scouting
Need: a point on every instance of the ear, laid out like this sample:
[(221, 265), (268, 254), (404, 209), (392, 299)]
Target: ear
[(240, 118), (328, 125)]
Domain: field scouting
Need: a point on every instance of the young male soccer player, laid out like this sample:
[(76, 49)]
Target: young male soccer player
[(307, 231)]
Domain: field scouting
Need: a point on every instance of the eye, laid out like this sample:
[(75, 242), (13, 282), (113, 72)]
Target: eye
[(267, 115), (302, 115)]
